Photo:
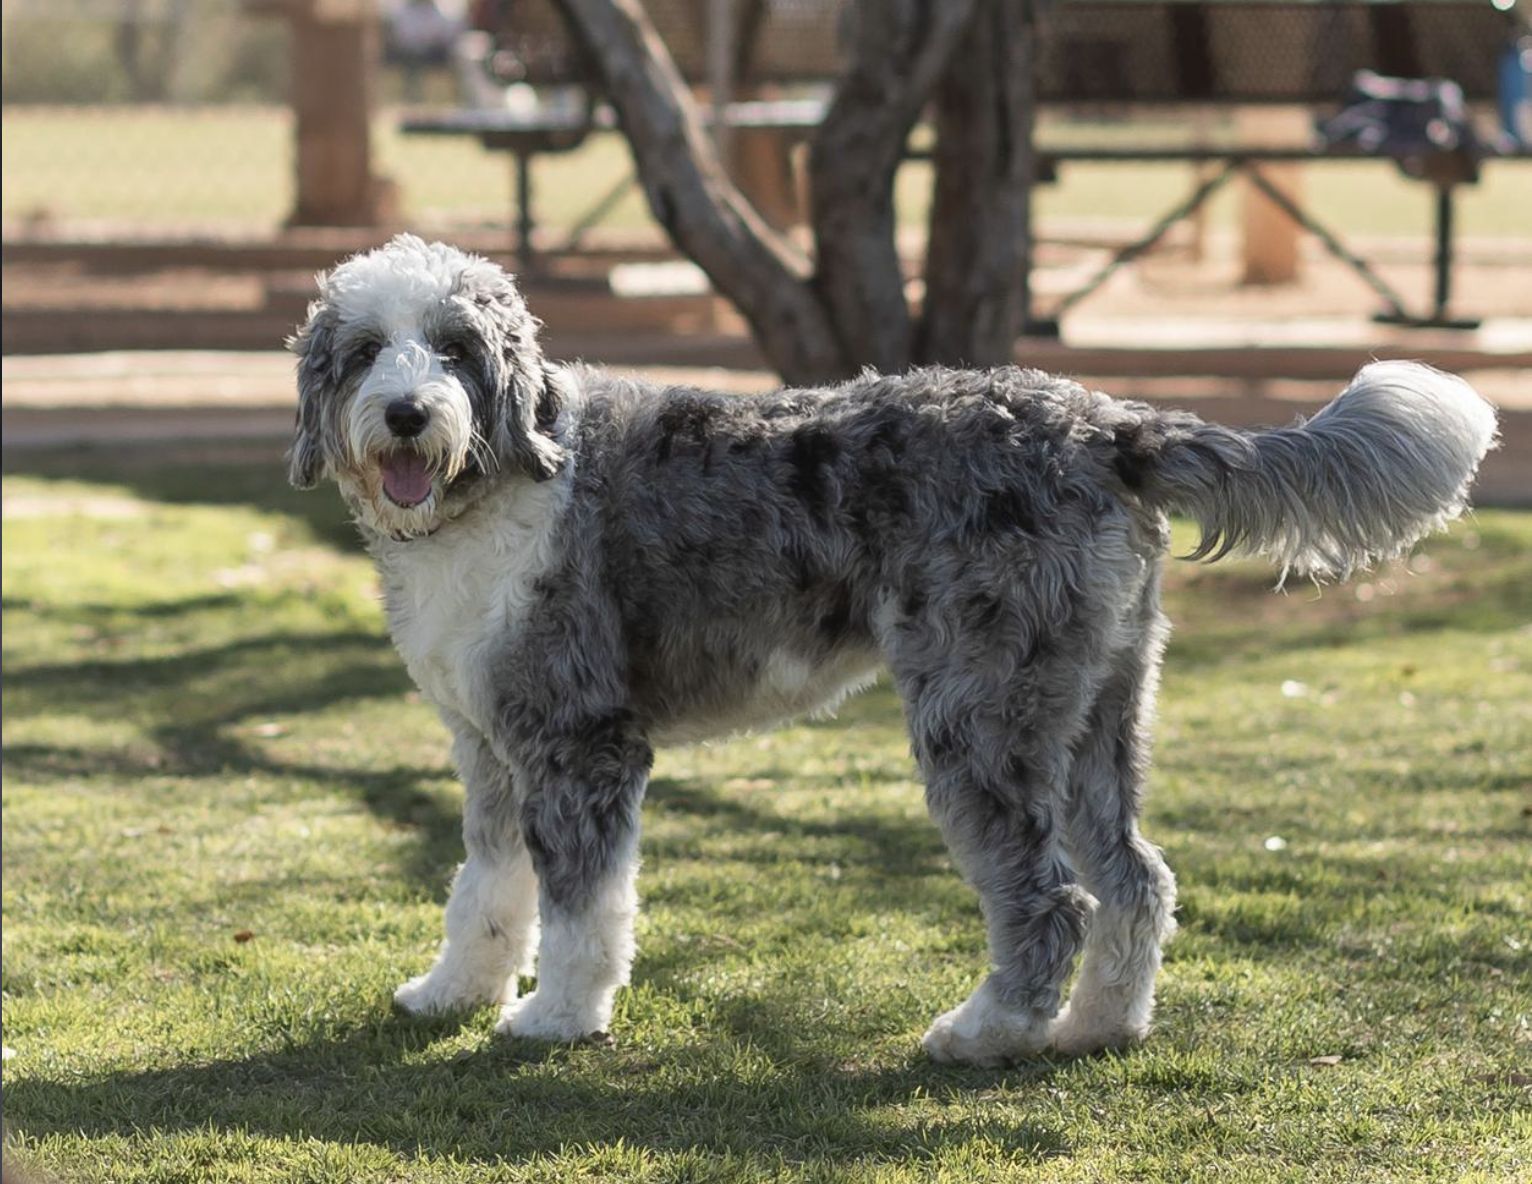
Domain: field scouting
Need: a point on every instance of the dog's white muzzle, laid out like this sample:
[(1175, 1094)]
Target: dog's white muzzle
[(409, 432)]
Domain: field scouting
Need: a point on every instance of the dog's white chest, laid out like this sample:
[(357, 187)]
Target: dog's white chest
[(457, 596)]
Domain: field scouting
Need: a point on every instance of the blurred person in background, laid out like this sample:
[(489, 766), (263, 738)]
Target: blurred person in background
[(421, 35)]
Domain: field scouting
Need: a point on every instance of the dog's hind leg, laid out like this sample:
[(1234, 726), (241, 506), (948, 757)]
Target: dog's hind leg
[(1005, 840), (491, 915), (580, 819), (1113, 997), (995, 752)]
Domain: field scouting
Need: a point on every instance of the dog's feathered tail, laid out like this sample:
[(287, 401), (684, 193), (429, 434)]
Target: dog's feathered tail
[(1388, 462)]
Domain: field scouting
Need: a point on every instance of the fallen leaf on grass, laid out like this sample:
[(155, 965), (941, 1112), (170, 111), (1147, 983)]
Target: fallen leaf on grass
[(239, 577), (1327, 1059), (244, 935), (138, 832), (1522, 1079)]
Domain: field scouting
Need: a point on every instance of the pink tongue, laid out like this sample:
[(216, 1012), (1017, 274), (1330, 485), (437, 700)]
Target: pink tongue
[(406, 478)]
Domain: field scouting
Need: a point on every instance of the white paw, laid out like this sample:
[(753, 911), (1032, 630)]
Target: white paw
[(543, 1016), (1074, 1032), (982, 1031), (435, 993)]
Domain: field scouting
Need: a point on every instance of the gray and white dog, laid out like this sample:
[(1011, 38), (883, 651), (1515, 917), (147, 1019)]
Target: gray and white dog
[(579, 567)]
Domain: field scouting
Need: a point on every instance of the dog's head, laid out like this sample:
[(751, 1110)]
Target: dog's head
[(418, 372)]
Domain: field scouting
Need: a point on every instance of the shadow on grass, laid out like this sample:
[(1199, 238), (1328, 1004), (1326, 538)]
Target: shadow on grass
[(192, 708), (91, 613), (209, 473), (840, 878), (196, 709), (911, 846), (512, 1100), (332, 666), (392, 795)]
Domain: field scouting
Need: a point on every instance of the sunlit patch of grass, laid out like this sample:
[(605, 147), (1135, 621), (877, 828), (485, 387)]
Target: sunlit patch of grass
[(229, 823)]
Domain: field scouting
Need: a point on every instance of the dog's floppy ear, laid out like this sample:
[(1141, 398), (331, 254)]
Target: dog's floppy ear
[(314, 344), (526, 402)]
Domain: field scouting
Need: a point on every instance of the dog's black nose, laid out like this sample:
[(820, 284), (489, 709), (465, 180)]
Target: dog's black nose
[(406, 418)]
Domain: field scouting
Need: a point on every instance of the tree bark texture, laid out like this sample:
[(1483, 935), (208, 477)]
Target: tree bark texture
[(691, 195), (899, 51), (978, 253), (975, 57)]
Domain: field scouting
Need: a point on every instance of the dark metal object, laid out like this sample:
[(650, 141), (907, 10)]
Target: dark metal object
[(1133, 250), (527, 135), (1439, 318), (1247, 162)]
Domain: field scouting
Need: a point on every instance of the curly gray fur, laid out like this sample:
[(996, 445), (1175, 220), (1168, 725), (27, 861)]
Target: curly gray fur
[(614, 564)]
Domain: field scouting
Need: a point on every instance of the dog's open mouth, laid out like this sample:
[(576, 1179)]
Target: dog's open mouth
[(406, 478)]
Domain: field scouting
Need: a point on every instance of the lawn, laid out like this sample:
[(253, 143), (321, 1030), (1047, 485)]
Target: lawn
[(202, 166), (229, 824)]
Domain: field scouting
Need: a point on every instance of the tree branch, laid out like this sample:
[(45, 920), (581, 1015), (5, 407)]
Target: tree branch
[(899, 51), (692, 197)]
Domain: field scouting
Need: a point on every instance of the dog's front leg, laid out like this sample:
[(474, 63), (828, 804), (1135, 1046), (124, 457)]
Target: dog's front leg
[(492, 912), (580, 820)]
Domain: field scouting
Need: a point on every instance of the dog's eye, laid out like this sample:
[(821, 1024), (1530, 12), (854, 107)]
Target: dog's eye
[(454, 353), (367, 353)]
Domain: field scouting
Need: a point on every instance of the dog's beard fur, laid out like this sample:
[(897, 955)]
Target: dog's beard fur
[(447, 444)]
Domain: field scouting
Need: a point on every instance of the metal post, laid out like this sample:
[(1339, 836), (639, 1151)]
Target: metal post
[(1440, 318), (720, 69), (524, 255), (1443, 252)]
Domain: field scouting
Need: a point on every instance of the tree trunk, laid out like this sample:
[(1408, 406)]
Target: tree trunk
[(977, 255), (899, 51), (976, 55), (691, 195)]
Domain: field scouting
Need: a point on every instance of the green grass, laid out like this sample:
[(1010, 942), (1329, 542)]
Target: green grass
[(208, 737), (231, 165)]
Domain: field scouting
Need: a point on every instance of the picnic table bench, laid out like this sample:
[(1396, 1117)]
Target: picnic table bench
[(527, 135), (1108, 57)]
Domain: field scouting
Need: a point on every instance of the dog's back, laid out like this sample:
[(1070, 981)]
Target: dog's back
[(759, 550)]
